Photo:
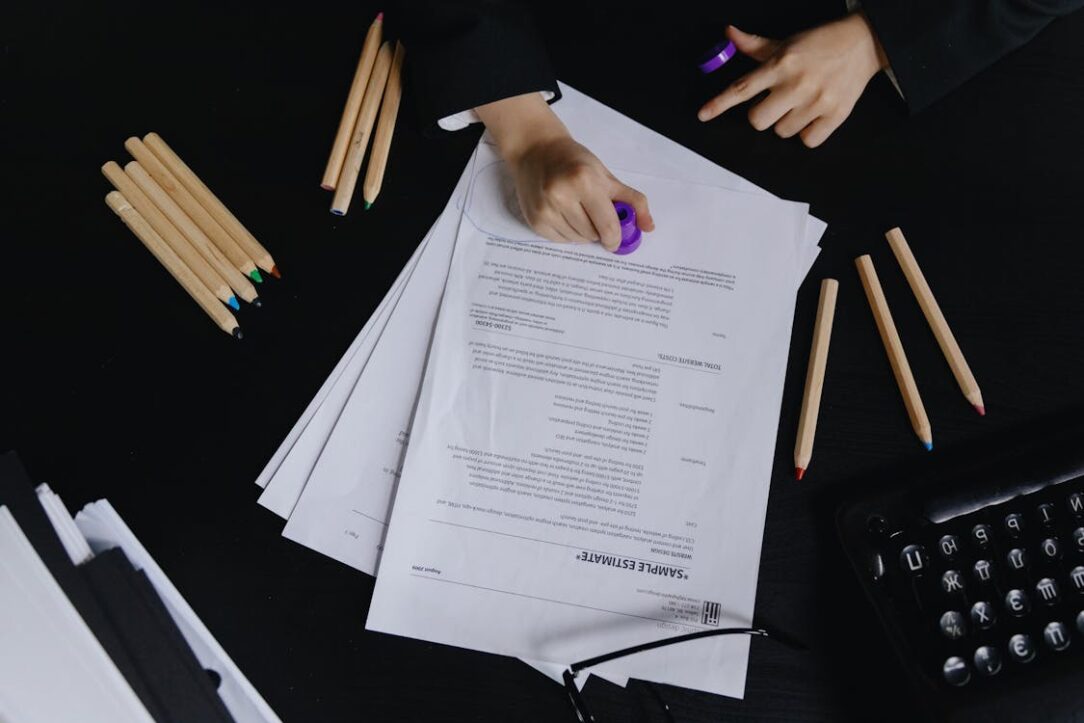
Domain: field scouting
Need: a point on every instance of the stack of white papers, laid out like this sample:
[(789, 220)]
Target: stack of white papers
[(590, 436)]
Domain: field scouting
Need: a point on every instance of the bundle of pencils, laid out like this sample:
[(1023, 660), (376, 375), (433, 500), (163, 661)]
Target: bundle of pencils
[(377, 85), (192, 233)]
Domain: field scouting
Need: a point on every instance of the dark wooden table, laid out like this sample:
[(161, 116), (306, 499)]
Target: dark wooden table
[(116, 386)]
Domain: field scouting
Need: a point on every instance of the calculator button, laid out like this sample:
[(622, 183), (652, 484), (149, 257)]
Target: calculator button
[(984, 571), (1017, 603), (1076, 503), (983, 615), (1078, 538), (1017, 559), (1050, 548), (987, 660), (1056, 636), (955, 671), (952, 581), (913, 559), (953, 625), (1080, 622), (1014, 524), (949, 546), (1047, 591), (876, 566), (1021, 648), (982, 534), (1077, 578), (1046, 513), (877, 528)]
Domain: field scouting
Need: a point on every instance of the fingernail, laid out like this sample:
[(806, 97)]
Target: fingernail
[(702, 115)]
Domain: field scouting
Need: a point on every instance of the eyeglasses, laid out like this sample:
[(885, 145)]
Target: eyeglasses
[(580, 707)]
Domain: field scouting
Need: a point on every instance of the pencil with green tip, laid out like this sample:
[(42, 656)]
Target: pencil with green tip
[(894, 348), (385, 127)]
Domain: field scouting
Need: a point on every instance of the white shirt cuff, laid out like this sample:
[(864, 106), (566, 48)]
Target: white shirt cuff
[(464, 118)]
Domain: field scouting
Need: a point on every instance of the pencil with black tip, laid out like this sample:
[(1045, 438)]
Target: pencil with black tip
[(177, 268), (210, 201), (385, 128), (814, 378), (886, 327), (938, 325)]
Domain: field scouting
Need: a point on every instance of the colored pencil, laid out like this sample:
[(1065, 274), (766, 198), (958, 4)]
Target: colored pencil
[(188, 228), (932, 311), (210, 201), (177, 268), (184, 250), (385, 127), (362, 130), (814, 377), (353, 104), (894, 348), (195, 210)]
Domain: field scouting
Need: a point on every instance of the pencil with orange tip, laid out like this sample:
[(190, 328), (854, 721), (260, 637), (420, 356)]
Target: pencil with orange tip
[(353, 104), (385, 128), (886, 327), (210, 201), (814, 377), (177, 268), (348, 179), (932, 311)]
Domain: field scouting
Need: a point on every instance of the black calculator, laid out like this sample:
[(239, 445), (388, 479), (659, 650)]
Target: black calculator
[(978, 577)]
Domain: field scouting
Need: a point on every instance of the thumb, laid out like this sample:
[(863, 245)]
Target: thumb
[(638, 201), (756, 47)]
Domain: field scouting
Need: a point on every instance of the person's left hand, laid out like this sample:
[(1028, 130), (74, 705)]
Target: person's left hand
[(814, 78)]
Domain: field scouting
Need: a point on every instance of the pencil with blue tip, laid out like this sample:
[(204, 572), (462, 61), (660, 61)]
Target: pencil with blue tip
[(169, 259), (901, 369), (164, 228)]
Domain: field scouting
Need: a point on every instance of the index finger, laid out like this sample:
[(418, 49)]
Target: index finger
[(741, 90)]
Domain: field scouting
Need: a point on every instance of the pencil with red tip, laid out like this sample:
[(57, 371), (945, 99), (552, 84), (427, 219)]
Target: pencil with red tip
[(932, 311), (814, 378)]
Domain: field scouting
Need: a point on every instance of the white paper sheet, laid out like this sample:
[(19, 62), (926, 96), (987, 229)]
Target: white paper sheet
[(626, 501)]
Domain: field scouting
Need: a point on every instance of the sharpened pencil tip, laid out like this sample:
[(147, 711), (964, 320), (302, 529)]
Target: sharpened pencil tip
[(980, 409), (233, 303), (275, 272), (256, 302), (255, 276), (237, 333), (799, 472), (928, 446), (380, 16), (368, 205)]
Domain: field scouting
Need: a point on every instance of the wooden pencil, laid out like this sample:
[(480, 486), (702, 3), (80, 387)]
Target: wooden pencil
[(348, 179), (814, 377), (176, 240), (177, 268), (385, 127), (188, 228), (195, 210), (210, 201), (353, 103), (894, 348), (932, 311)]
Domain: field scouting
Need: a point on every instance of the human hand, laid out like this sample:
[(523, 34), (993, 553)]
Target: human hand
[(564, 190), (814, 78)]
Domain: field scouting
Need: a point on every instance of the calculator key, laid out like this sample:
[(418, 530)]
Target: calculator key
[(1021, 648), (1046, 514), (1056, 636), (913, 559), (1078, 538), (949, 546), (983, 615), (1014, 524), (877, 527), (1076, 504), (982, 534), (952, 581), (1080, 622), (1077, 578), (987, 660), (953, 625), (1017, 603), (1050, 548), (955, 671), (876, 566), (1047, 591), (984, 571), (1017, 559)]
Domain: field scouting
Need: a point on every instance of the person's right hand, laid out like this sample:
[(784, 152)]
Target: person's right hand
[(564, 191)]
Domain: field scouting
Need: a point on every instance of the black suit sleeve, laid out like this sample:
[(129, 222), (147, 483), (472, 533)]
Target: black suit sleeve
[(936, 45), (464, 54)]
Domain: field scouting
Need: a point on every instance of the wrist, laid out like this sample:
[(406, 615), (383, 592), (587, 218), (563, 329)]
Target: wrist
[(520, 123), (874, 54)]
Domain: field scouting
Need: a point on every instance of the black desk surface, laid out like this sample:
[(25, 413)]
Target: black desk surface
[(117, 386)]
